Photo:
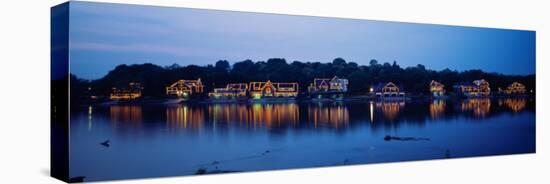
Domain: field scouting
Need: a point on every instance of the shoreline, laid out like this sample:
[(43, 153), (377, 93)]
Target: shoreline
[(364, 98)]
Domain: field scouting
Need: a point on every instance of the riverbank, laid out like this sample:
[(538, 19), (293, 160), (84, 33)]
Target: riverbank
[(241, 100)]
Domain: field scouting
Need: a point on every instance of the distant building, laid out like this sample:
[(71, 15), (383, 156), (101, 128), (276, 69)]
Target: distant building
[(514, 88), (437, 89), (133, 91), (231, 90), (272, 89), (478, 88), (185, 88), (388, 90), (328, 85)]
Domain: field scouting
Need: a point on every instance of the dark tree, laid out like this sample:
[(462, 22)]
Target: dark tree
[(414, 79), (373, 62), (222, 65), (338, 61)]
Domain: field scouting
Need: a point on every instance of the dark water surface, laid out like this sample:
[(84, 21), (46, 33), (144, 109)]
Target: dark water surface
[(170, 140)]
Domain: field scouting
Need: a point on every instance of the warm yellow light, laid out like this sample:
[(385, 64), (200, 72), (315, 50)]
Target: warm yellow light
[(371, 112), (90, 110), (256, 96)]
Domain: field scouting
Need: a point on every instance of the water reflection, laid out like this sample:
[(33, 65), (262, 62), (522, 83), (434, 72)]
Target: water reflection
[(437, 108), (182, 138), (131, 114), (371, 109), (301, 115), (274, 115), (515, 104), (244, 115), (479, 106), (90, 113), (229, 113), (328, 115), (257, 115), (390, 110), (184, 117)]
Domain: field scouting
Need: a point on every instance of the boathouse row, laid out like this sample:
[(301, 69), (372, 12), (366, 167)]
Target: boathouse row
[(437, 89), (388, 90), (478, 88), (131, 92), (319, 86)]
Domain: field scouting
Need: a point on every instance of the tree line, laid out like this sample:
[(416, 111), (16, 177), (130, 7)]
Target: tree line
[(414, 79)]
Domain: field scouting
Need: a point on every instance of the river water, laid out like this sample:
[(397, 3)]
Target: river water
[(186, 139)]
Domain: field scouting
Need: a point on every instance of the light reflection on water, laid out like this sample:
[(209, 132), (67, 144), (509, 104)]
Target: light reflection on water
[(328, 115), (516, 104), (437, 108), (126, 114), (479, 106), (390, 110), (334, 116), (164, 140), (184, 117)]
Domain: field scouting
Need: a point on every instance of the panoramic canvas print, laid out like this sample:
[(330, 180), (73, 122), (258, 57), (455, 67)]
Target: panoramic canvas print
[(146, 91)]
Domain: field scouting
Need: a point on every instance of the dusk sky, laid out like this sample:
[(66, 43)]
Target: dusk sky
[(103, 36)]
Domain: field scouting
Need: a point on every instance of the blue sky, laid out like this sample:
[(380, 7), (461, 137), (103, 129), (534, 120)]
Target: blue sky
[(103, 36)]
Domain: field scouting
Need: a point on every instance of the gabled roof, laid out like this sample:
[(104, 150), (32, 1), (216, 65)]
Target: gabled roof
[(435, 83), (266, 84), (475, 83), (187, 83), (381, 85), (479, 82), (318, 82), (516, 84), (257, 86)]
